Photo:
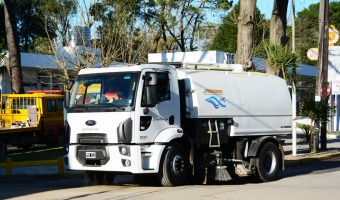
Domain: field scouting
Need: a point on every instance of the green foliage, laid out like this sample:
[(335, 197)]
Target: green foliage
[(307, 28), (119, 34), (281, 60), (57, 21), (226, 37), (308, 134), (30, 24), (315, 110), (34, 18)]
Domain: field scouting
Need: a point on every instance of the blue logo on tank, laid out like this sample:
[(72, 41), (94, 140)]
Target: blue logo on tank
[(217, 103)]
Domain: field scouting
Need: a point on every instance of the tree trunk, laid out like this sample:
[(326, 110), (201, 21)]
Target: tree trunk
[(278, 22), (278, 26), (245, 33), (14, 64)]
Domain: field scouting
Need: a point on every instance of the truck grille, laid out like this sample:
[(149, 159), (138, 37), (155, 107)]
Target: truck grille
[(92, 138)]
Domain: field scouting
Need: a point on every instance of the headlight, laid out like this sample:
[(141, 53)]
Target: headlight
[(126, 163), (124, 150)]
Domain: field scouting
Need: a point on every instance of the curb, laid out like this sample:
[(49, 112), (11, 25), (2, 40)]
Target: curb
[(301, 160), (332, 136)]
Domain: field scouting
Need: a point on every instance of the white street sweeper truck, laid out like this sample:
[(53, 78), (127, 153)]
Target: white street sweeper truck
[(177, 123)]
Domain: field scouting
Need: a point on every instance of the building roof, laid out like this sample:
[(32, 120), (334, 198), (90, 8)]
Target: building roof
[(302, 69)]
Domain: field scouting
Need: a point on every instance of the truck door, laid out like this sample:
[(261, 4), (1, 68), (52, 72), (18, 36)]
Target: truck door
[(53, 116), (152, 120)]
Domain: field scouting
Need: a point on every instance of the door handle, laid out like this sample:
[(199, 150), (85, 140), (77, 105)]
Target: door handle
[(171, 120)]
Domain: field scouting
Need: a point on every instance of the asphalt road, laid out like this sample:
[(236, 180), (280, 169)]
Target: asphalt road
[(316, 181)]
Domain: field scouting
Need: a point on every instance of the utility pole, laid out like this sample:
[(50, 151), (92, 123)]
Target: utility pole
[(322, 75), (294, 151)]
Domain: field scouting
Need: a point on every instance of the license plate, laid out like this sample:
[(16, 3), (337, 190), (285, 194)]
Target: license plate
[(90, 154)]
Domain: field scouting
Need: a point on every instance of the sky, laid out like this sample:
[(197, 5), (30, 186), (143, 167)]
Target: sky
[(266, 6)]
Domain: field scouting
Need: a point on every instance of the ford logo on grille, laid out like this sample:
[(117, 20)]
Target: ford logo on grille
[(90, 122)]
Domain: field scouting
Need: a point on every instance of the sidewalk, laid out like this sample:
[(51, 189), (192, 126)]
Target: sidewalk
[(303, 157)]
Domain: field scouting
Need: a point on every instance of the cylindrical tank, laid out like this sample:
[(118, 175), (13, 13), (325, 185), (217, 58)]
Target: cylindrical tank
[(258, 103)]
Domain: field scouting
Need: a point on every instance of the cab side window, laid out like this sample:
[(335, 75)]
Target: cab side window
[(162, 88), (60, 104), (51, 106)]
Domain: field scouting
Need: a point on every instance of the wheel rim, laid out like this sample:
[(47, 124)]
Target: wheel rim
[(177, 165), (269, 162)]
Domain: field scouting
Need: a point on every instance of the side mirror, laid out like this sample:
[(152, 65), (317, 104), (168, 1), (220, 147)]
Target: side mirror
[(152, 79), (150, 84), (69, 84), (67, 99), (151, 95)]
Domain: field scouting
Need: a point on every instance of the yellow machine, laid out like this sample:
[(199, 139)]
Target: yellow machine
[(33, 118)]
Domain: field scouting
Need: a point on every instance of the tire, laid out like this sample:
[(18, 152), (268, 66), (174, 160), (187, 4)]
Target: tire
[(3, 147), (100, 178), (268, 163), (174, 169)]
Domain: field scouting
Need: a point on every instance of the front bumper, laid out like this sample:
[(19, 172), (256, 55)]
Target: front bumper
[(136, 159)]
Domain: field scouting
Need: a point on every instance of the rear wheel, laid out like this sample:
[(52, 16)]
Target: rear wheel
[(100, 178), (175, 166), (268, 163)]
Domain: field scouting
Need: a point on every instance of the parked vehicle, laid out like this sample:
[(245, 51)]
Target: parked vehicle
[(33, 118), (180, 124)]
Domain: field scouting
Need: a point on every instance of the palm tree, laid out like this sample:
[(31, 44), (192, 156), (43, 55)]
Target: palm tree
[(315, 111), (281, 61)]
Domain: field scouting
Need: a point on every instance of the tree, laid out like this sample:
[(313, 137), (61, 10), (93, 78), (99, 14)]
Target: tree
[(30, 24), (307, 28), (56, 25), (31, 33), (246, 25), (57, 21), (121, 37), (3, 41), (179, 22), (226, 37), (315, 111), (278, 23), (282, 61), (14, 64)]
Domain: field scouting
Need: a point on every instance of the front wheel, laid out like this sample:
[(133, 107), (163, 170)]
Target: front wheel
[(175, 166), (268, 163)]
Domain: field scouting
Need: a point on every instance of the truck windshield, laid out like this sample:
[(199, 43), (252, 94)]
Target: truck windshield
[(104, 90)]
